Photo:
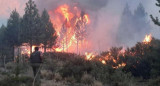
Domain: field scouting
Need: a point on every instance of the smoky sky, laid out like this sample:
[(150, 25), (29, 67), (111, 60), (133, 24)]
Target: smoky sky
[(84, 4), (105, 15)]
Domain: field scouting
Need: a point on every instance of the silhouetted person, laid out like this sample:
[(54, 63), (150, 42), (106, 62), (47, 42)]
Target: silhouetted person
[(36, 61)]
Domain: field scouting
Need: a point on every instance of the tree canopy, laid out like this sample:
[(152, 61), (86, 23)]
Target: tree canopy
[(31, 28)]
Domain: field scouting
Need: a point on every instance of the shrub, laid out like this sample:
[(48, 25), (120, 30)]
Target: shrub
[(154, 82), (97, 83), (46, 74), (119, 78), (57, 77), (75, 67), (16, 81), (71, 80), (87, 79)]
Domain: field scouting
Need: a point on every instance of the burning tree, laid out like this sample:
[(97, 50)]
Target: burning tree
[(71, 25), (64, 35), (80, 28)]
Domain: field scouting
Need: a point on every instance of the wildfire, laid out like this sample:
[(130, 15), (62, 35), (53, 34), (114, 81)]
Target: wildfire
[(148, 39), (119, 65), (64, 10), (70, 23), (89, 56)]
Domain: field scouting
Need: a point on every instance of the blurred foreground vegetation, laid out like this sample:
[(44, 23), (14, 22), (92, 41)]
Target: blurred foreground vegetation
[(65, 69)]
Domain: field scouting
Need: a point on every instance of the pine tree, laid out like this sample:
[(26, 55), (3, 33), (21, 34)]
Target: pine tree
[(140, 21), (156, 20), (2, 39), (47, 36), (13, 28), (12, 31), (31, 25), (156, 63), (125, 29), (133, 26)]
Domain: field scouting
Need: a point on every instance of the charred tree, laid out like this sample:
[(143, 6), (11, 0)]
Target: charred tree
[(63, 33), (80, 29)]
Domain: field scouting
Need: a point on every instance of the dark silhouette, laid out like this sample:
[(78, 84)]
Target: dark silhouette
[(36, 60)]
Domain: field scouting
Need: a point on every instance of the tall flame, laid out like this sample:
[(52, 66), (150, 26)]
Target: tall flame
[(70, 23)]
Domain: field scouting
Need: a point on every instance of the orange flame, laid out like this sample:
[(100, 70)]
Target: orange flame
[(119, 66), (89, 56), (103, 62), (148, 39), (69, 22), (64, 10)]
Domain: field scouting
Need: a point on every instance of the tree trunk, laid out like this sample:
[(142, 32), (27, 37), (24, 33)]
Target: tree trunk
[(67, 42), (4, 63), (63, 45), (12, 53), (30, 49), (77, 46), (44, 48)]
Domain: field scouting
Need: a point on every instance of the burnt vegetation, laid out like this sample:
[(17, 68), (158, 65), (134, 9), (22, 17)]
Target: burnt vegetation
[(135, 66)]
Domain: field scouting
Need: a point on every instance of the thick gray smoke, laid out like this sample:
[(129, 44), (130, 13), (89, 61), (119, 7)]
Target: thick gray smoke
[(106, 22), (133, 26), (84, 4)]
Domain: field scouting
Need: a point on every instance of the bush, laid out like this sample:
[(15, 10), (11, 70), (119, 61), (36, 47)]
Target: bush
[(102, 72), (16, 81), (119, 78), (154, 82), (46, 74), (97, 83), (57, 77), (71, 80), (87, 79), (75, 67)]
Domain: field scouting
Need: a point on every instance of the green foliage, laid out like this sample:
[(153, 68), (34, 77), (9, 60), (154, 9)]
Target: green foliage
[(87, 79), (48, 36), (143, 59), (154, 82), (12, 33), (2, 40), (31, 28), (31, 24), (102, 72), (156, 20), (5, 49), (13, 29), (16, 81), (75, 67)]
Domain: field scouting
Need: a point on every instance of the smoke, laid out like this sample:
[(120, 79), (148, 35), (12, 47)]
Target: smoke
[(106, 21), (7, 6), (85, 4), (105, 18)]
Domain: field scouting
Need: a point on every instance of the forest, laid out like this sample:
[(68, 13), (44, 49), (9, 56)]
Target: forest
[(134, 66)]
